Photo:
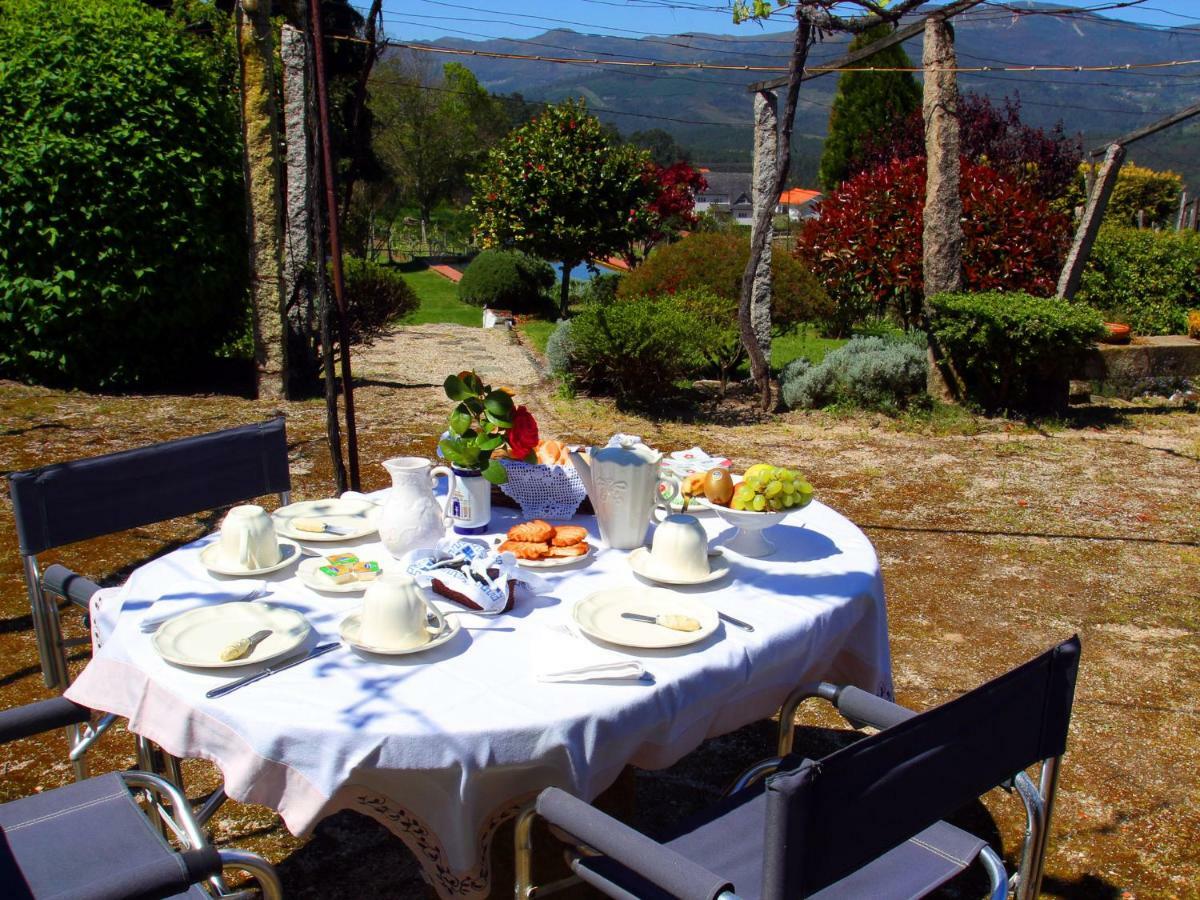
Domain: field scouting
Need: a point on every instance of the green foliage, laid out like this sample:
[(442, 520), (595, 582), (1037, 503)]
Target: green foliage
[(866, 105), (431, 129), (560, 350), (506, 279), (664, 150), (122, 249), (1013, 352), (598, 289), (715, 329), (375, 297), (867, 372), (484, 420), (634, 348), (714, 262), (1137, 188), (1148, 279), (562, 188)]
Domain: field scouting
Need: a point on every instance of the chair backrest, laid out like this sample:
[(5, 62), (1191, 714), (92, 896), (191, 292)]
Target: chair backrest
[(87, 498), (829, 818)]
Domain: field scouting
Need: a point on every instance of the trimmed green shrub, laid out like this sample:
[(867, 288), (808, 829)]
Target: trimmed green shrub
[(1013, 352), (122, 209), (715, 262), (599, 288), (634, 348), (1147, 279), (375, 296), (867, 372), (506, 279), (715, 329), (559, 349)]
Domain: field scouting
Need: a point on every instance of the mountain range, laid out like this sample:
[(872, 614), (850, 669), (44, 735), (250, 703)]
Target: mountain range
[(708, 111)]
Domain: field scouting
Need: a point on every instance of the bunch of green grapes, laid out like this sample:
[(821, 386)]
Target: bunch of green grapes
[(767, 488)]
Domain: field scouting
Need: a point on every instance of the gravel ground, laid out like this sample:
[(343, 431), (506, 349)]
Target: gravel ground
[(996, 540)]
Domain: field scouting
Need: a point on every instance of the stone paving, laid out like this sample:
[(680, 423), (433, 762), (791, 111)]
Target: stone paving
[(423, 355)]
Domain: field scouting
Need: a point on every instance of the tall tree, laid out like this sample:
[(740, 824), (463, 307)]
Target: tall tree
[(430, 130), (664, 149), (866, 105), (561, 188)]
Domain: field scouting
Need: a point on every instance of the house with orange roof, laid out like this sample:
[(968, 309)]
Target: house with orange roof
[(797, 203)]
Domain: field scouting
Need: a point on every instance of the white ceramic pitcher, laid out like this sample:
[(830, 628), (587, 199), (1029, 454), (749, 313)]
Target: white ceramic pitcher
[(622, 482), (412, 518)]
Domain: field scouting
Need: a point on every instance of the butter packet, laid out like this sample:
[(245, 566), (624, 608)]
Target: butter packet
[(366, 571), (338, 574), (342, 559)]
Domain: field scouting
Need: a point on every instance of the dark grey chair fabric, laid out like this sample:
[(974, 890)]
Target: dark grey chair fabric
[(862, 822), (34, 718), (91, 840), (69, 585), (87, 498)]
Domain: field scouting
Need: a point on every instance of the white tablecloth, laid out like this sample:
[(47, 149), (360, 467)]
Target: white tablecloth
[(442, 746)]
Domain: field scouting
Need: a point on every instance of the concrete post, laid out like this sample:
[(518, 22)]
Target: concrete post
[(1089, 225), (762, 191)]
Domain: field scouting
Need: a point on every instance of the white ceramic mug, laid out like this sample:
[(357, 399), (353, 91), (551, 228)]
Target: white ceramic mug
[(248, 538), (395, 614), (680, 547)]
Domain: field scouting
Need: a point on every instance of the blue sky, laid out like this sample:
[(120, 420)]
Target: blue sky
[(469, 19)]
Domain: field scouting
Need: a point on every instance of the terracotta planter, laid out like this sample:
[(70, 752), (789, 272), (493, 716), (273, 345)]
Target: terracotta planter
[(1116, 333)]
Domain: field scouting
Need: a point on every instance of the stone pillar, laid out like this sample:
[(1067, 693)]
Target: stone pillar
[(1089, 225), (260, 133), (300, 266), (942, 238), (766, 152)]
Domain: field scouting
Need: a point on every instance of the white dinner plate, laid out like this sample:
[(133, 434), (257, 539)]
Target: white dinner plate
[(196, 638), (557, 562), (210, 558), (599, 616), (642, 564), (310, 577), (351, 629), (357, 517)]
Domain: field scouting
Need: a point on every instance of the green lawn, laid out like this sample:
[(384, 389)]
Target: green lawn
[(537, 331), (804, 342), (439, 301)]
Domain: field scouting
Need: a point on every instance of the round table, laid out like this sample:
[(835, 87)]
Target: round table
[(443, 746)]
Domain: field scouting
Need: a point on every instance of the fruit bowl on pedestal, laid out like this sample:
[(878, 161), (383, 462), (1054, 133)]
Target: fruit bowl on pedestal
[(749, 539)]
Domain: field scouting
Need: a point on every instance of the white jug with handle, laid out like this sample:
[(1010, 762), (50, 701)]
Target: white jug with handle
[(622, 482), (412, 518)]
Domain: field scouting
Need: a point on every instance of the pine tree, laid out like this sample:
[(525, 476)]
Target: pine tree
[(866, 105)]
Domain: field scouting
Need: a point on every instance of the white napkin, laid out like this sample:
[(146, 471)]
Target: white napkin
[(577, 659), (193, 594), (617, 670)]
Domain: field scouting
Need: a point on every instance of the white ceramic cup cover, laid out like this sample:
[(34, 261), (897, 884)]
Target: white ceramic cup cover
[(394, 614), (248, 538), (680, 547)]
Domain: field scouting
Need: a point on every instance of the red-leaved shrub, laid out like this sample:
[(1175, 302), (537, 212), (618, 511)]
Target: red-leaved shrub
[(866, 245)]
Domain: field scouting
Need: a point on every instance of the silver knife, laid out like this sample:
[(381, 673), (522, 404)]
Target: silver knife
[(738, 623), (271, 670)]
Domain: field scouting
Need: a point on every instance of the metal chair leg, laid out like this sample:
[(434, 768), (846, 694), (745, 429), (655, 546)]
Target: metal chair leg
[(523, 850)]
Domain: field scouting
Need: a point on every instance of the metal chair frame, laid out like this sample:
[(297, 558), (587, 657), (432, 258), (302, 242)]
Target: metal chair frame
[(1024, 884), (75, 589)]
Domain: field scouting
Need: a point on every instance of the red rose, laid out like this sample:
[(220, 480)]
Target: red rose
[(523, 436)]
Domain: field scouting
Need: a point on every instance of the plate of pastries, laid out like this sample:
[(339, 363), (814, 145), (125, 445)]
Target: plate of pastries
[(538, 544)]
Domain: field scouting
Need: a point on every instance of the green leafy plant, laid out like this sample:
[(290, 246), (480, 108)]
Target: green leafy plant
[(562, 188), (715, 330), (122, 253), (634, 348), (867, 372), (559, 349), (376, 296), (506, 279), (1013, 352), (714, 262), (1151, 277), (1138, 188), (484, 422)]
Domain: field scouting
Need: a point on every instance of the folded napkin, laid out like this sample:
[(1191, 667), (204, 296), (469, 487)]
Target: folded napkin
[(190, 595), (472, 569), (579, 660), (617, 670)]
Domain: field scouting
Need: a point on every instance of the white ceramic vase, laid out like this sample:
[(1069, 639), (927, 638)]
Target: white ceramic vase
[(412, 518)]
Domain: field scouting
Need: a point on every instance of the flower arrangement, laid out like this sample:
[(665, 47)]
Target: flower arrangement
[(486, 420)]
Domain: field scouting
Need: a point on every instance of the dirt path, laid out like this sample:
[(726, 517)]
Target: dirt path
[(996, 540)]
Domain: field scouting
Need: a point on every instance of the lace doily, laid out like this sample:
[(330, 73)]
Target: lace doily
[(544, 492)]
